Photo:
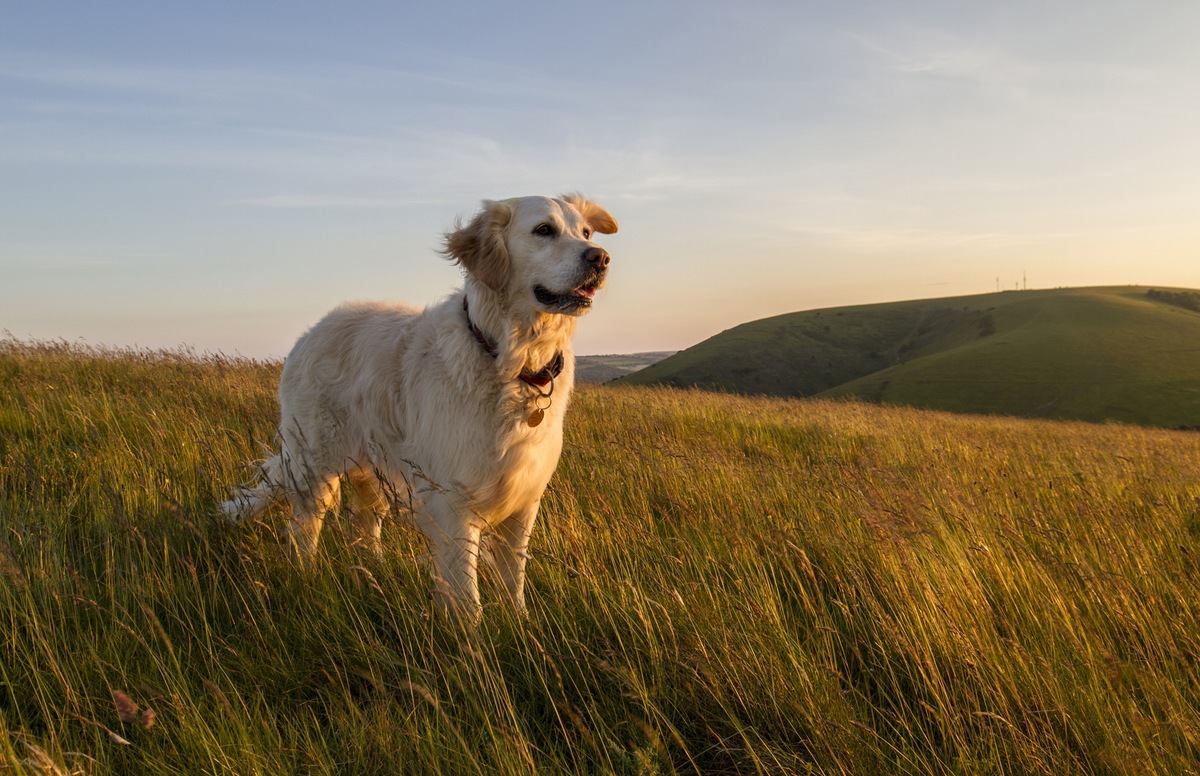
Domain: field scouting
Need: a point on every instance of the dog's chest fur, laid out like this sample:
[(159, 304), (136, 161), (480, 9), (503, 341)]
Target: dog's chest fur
[(451, 418)]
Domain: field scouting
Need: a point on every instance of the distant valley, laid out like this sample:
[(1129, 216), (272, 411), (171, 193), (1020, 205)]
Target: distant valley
[(602, 369)]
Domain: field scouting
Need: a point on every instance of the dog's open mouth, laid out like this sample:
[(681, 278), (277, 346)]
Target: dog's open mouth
[(575, 300)]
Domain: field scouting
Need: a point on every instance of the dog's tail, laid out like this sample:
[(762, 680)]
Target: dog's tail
[(250, 502)]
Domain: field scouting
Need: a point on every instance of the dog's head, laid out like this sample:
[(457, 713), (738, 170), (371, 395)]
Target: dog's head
[(538, 250)]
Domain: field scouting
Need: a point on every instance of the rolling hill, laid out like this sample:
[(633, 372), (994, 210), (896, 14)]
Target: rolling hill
[(1127, 353)]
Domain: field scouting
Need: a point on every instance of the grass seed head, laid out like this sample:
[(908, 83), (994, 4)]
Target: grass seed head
[(127, 710)]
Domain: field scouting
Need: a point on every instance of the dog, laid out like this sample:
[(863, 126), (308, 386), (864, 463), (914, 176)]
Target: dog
[(454, 412)]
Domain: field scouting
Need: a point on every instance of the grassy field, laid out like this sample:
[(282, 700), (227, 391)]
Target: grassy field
[(1120, 353), (720, 585)]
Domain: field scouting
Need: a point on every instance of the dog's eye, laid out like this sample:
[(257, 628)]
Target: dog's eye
[(544, 230), (587, 234)]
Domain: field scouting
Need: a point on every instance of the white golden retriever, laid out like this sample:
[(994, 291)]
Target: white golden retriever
[(455, 410)]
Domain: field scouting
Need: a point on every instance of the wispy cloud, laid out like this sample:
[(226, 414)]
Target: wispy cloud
[(309, 201), (81, 82), (40, 260), (926, 51)]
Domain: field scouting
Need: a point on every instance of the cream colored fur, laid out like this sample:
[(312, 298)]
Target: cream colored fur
[(405, 406)]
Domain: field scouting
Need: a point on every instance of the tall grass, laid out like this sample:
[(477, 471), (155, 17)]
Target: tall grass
[(719, 585)]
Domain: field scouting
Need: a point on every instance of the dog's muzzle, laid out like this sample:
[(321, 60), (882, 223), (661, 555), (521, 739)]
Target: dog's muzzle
[(579, 298)]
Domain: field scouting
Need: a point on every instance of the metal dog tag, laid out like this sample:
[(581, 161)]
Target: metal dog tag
[(536, 416)]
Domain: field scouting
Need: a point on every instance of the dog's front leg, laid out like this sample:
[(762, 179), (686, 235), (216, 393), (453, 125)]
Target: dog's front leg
[(454, 538), (510, 552)]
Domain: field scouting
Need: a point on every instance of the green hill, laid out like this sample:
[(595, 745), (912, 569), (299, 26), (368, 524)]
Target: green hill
[(1129, 354)]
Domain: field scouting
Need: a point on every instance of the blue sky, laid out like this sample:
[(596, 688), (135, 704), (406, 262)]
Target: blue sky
[(221, 174)]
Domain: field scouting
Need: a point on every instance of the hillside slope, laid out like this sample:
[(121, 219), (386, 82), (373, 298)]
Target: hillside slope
[(1085, 354)]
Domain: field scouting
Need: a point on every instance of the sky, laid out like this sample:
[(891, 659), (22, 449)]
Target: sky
[(218, 175)]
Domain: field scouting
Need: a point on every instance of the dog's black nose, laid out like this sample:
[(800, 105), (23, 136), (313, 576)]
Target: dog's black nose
[(597, 257)]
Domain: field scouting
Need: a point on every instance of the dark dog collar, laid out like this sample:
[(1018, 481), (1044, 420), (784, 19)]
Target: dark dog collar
[(539, 379)]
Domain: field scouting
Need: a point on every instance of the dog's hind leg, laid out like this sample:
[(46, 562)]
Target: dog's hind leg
[(311, 499), (248, 502), (368, 508)]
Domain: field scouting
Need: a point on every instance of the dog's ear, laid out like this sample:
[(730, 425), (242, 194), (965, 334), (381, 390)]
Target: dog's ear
[(479, 246), (596, 216)]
